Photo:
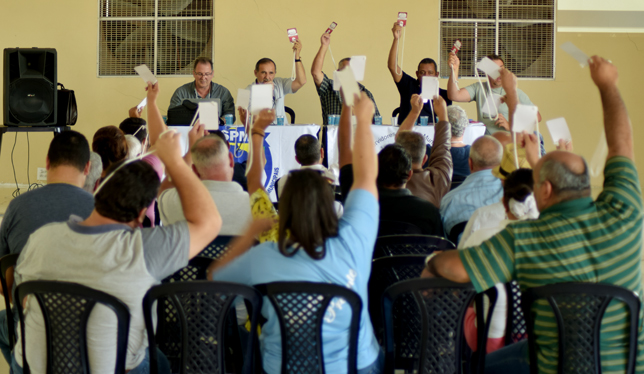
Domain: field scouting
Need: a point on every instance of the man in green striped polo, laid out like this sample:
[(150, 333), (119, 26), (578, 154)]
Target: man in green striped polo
[(575, 238)]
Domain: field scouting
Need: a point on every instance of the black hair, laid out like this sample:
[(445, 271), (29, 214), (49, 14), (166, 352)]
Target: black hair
[(264, 61), (69, 148), (394, 164), (202, 60), (493, 57), (110, 143), (132, 126), (518, 185), (428, 61), (307, 150)]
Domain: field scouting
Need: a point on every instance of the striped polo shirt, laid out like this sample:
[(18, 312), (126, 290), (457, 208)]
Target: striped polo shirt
[(578, 240)]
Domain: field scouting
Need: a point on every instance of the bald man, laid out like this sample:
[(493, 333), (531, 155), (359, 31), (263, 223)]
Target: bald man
[(575, 238), (479, 189)]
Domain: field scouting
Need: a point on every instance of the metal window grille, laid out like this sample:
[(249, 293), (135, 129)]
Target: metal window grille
[(166, 35), (522, 32)]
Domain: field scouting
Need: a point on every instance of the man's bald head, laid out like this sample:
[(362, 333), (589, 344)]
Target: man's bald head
[(560, 176), (485, 153), (503, 137), (211, 159)]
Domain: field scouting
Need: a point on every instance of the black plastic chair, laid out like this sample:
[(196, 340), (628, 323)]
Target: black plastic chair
[(456, 231), (217, 248), (196, 270), (395, 113), (66, 308), (515, 326), (291, 113), (386, 228), (579, 309), (386, 271), (424, 326), (202, 309), (393, 245), (7, 262), (300, 307), (457, 180)]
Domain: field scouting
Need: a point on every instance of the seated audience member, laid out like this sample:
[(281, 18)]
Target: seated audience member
[(430, 183), (213, 164), (313, 245), (575, 238), (239, 174), (330, 98), (67, 166), (479, 189), (460, 151), (136, 127), (109, 252), (309, 154), (95, 170), (110, 143), (133, 147)]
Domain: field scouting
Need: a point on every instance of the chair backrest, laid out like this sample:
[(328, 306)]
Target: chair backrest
[(392, 245), (196, 270), (7, 262), (457, 180), (424, 326), (300, 307), (386, 271), (515, 326), (579, 309), (201, 310), (395, 112), (291, 113), (386, 228), (66, 308), (217, 248)]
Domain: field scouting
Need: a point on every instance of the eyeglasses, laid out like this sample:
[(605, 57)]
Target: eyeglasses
[(201, 75)]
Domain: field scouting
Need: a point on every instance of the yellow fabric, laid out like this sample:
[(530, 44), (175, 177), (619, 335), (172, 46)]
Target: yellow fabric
[(262, 207)]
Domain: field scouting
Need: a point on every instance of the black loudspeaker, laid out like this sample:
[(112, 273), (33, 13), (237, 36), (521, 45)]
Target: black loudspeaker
[(30, 91)]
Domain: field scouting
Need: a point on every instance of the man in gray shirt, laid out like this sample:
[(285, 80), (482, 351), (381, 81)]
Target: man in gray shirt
[(204, 88)]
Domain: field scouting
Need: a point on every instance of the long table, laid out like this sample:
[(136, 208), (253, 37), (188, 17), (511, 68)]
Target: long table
[(279, 145)]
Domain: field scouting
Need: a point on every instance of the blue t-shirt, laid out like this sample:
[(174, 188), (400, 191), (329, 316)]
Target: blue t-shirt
[(347, 262)]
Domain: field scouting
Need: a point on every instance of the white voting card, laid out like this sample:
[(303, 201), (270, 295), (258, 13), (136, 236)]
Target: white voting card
[(429, 88), (358, 64), (489, 67), (144, 72), (576, 53), (525, 118), (493, 102), (261, 97), (209, 115), (349, 85), (559, 130), (142, 104), (243, 98), (336, 81)]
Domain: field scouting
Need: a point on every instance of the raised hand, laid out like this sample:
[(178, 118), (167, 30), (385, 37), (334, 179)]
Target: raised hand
[(153, 92), (440, 108), (603, 72), (508, 80), (363, 107), (264, 119), (168, 147), (325, 39), (396, 30), (454, 61)]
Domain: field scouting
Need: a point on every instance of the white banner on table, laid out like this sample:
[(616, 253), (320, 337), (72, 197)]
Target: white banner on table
[(385, 135)]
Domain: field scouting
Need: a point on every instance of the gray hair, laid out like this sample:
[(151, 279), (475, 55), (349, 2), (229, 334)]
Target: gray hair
[(486, 152), (209, 151), (458, 119), (565, 182), (133, 146), (95, 171), (414, 143)]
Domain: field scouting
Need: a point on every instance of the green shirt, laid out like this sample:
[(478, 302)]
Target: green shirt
[(574, 241)]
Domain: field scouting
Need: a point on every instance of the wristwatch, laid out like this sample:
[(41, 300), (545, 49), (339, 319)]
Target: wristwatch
[(298, 60)]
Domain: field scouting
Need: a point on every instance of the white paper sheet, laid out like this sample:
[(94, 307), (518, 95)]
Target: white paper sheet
[(429, 88), (576, 53), (489, 67), (559, 130), (243, 98), (525, 118), (209, 115), (142, 104), (494, 101), (349, 85), (358, 64), (336, 81), (144, 72), (261, 97)]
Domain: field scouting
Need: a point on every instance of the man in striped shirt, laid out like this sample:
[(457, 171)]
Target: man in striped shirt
[(575, 238)]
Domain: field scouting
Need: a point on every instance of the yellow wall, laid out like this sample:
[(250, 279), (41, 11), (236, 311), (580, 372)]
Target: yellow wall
[(248, 30)]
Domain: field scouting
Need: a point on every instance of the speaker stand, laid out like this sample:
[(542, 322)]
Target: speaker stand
[(55, 129)]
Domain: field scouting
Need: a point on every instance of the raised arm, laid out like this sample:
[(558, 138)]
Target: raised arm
[(394, 69), (365, 163), (416, 108), (300, 74), (197, 132), (156, 125), (617, 125), (344, 137), (440, 160), (204, 221), (318, 61), (509, 84), (254, 177), (453, 92)]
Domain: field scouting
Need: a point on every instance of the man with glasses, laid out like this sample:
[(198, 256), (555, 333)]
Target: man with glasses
[(204, 88)]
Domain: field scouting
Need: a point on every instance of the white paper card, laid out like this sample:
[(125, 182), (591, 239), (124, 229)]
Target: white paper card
[(559, 130), (576, 53), (336, 81), (144, 72), (489, 67), (142, 104), (209, 115), (358, 64), (243, 98), (525, 118), (429, 88), (494, 102), (261, 97), (349, 85)]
